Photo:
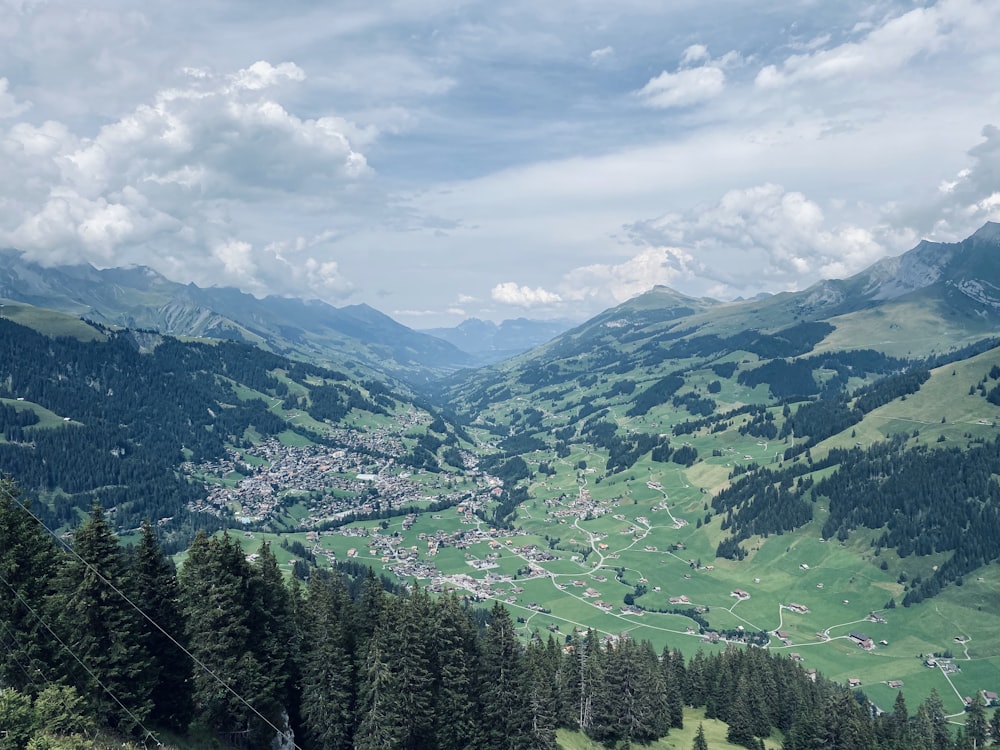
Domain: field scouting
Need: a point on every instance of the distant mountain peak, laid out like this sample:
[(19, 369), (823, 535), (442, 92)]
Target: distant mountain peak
[(990, 232)]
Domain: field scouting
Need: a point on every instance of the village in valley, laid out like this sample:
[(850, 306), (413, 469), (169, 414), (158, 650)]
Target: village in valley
[(629, 555)]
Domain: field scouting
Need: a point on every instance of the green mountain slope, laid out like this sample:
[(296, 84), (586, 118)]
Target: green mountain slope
[(179, 433), (862, 411), (305, 329)]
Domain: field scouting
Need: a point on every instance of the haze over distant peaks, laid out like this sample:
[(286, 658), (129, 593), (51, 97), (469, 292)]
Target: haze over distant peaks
[(491, 342)]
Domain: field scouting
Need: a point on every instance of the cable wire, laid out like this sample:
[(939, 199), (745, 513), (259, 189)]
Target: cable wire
[(80, 661), (138, 609)]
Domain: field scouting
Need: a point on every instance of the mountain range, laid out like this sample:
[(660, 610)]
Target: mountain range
[(827, 454), (315, 331)]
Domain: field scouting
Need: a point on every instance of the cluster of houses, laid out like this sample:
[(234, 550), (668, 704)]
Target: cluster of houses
[(336, 481)]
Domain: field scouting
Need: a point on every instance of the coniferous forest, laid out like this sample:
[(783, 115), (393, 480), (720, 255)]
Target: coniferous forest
[(102, 641)]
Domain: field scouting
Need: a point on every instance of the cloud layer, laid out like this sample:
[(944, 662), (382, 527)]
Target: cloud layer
[(450, 159)]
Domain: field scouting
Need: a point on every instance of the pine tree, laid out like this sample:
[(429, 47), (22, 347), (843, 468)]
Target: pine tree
[(28, 561), (154, 584), (382, 724), (103, 630), (327, 665), (457, 689), (271, 638), (845, 725), (976, 726), (740, 720), (700, 743), (217, 597), (413, 646), (590, 679), (541, 697), (940, 734), (504, 709), (674, 674)]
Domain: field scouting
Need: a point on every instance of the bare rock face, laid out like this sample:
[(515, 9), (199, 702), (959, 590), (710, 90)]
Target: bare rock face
[(285, 739)]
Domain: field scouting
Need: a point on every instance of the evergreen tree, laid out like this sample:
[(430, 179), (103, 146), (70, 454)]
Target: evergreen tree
[(154, 584), (845, 725), (741, 720), (457, 689), (632, 705), (504, 709), (922, 730), (540, 697), (28, 561), (411, 663), (271, 638), (589, 681), (110, 664), (700, 743), (995, 727), (940, 734), (976, 726), (327, 665), (217, 590), (382, 723), (674, 675)]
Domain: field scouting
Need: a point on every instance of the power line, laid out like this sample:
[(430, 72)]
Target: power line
[(138, 609), (14, 656), (80, 661)]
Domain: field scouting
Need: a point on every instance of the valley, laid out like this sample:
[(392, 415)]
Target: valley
[(811, 474)]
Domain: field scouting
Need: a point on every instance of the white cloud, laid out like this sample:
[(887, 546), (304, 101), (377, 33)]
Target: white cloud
[(762, 238), (602, 55), (262, 75), (612, 284), (683, 88), (694, 53), (9, 106), (181, 175), (967, 201), (889, 46), (511, 293)]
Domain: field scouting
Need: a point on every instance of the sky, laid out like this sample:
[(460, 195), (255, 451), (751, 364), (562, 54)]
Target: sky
[(447, 159)]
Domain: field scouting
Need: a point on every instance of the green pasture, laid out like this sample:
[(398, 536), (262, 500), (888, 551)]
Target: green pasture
[(49, 322), (678, 739), (46, 419)]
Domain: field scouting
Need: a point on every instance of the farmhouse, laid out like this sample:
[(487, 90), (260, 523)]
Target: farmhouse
[(862, 640), (799, 608), (739, 594)]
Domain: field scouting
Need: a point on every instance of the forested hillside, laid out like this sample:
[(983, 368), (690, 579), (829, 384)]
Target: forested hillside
[(101, 641), (129, 420)]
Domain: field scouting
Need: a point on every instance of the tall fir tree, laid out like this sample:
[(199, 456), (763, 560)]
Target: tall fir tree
[(504, 710), (457, 686), (28, 560), (271, 638), (218, 589), (414, 645), (327, 665), (110, 660), (540, 695), (154, 584), (381, 723), (976, 726)]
